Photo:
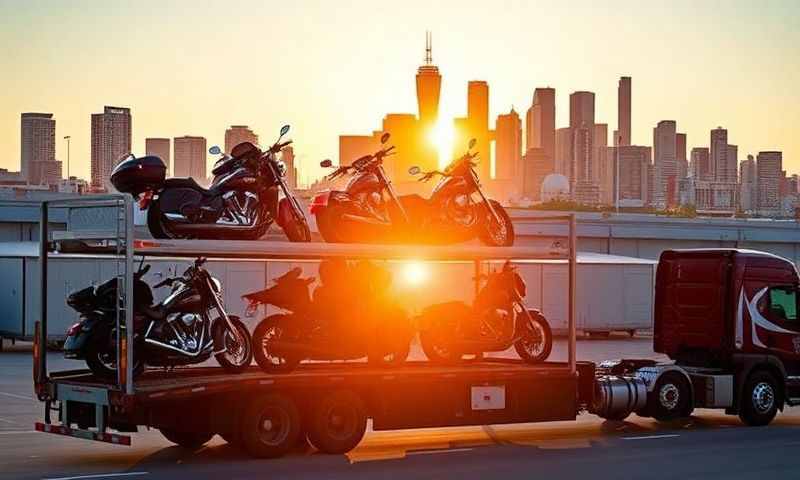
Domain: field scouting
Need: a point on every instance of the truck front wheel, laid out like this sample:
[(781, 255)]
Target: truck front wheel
[(671, 398), (760, 399)]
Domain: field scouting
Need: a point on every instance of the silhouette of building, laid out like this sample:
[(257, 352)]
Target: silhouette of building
[(680, 155), (623, 133), (582, 172), (769, 173), (732, 155), (111, 141), (540, 121), (410, 149), (429, 84), (748, 186), (700, 166), (352, 147), (603, 163), (238, 134), (536, 166), (508, 146), (665, 164), (160, 147), (563, 155), (287, 156), (478, 125), (634, 165), (38, 163), (190, 158), (724, 168)]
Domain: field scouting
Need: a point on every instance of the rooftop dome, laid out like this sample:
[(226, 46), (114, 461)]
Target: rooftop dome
[(555, 186)]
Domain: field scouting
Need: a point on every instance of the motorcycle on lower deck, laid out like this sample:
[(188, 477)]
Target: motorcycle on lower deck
[(370, 210), (350, 317), (180, 330), (497, 320), (241, 203)]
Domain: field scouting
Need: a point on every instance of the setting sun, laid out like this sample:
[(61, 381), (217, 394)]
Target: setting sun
[(442, 136)]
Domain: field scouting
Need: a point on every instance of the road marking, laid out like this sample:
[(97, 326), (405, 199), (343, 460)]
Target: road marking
[(17, 432), (13, 395), (650, 437), (100, 475), (432, 452), (7, 421)]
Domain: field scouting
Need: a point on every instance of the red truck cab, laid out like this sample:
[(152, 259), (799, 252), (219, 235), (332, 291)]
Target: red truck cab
[(731, 313)]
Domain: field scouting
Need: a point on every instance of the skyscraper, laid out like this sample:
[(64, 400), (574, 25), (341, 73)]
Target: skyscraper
[(38, 148), (624, 110), (190, 158), (508, 147), (731, 157), (541, 121), (748, 188), (563, 160), (238, 134), (159, 147), (634, 164), (724, 168), (665, 164), (429, 83), (680, 155), (287, 156), (478, 124), (701, 164), (769, 173), (111, 140), (581, 122)]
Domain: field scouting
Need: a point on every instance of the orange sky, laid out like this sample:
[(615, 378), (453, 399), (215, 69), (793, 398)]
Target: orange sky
[(197, 67)]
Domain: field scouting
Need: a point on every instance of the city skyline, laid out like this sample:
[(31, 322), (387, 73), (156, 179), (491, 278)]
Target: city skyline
[(353, 96)]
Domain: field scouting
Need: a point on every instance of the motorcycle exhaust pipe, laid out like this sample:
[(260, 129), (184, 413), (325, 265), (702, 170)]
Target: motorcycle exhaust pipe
[(365, 220)]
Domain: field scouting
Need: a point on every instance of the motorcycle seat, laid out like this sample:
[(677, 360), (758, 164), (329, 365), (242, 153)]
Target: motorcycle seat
[(188, 182)]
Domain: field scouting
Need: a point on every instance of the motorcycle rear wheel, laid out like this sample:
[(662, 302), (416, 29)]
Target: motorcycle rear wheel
[(155, 221), (272, 328), (101, 356)]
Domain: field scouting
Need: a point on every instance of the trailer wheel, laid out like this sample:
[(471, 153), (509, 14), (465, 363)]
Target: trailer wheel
[(187, 440), (670, 398), (760, 399), (338, 422), (270, 426)]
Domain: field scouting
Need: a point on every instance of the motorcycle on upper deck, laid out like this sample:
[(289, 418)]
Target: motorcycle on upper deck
[(241, 203), (369, 210)]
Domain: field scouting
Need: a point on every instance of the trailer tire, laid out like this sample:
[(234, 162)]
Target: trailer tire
[(761, 399), (270, 426), (337, 422), (188, 440), (671, 397)]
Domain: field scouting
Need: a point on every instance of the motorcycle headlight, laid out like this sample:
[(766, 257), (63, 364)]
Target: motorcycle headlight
[(281, 166)]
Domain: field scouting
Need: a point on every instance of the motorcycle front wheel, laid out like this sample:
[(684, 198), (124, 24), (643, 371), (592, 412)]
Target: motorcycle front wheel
[(494, 233), (297, 231), (536, 341), (238, 353)]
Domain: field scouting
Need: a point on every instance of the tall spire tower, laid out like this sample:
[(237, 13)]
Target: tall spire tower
[(429, 84)]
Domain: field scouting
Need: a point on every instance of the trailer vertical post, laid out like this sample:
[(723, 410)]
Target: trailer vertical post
[(573, 247), (43, 252), (129, 300)]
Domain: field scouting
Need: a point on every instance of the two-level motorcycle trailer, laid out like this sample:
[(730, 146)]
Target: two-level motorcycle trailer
[(327, 402)]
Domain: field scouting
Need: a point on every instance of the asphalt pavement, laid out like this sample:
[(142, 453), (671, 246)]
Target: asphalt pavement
[(708, 445)]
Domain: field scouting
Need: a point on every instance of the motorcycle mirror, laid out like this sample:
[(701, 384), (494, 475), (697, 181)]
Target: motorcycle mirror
[(215, 150), (327, 163), (415, 170), (284, 130), (472, 143), (385, 137)]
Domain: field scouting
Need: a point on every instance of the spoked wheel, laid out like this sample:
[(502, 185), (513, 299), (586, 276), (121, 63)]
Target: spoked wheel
[(238, 349), (298, 231), (494, 233), (271, 330), (338, 422), (187, 440), (270, 426), (536, 341)]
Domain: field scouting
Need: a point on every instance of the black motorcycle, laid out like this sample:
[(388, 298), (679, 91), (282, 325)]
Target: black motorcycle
[(350, 317), (497, 319), (369, 210), (181, 330), (241, 203)]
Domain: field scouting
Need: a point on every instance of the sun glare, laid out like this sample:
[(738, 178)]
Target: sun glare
[(415, 273), (442, 137)]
